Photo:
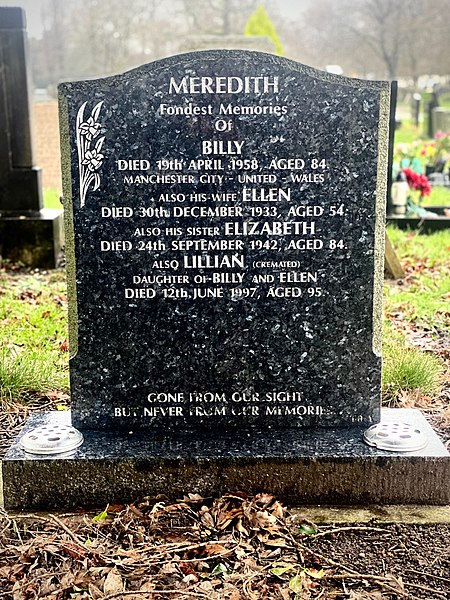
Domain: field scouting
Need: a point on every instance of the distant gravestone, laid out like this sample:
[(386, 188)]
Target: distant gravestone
[(28, 232), (227, 215), (225, 225), (440, 118)]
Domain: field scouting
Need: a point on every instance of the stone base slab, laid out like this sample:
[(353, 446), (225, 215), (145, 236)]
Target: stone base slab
[(300, 467), (34, 238), (410, 514)]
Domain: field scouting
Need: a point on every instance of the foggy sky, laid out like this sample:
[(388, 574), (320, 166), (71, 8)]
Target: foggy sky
[(33, 8)]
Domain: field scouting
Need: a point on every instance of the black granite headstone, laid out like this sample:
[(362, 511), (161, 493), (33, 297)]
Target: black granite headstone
[(225, 222), (225, 213), (28, 232)]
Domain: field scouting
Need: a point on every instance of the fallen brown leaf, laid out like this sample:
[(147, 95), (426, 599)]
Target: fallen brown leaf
[(113, 582)]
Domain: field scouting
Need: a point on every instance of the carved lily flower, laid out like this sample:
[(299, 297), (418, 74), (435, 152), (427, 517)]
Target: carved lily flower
[(93, 159), (90, 128)]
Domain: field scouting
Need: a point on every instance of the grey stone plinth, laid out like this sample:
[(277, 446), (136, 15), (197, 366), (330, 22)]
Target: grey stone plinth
[(21, 190), (325, 466), (440, 117), (34, 238), (20, 185), (12, 17), (28, 233)]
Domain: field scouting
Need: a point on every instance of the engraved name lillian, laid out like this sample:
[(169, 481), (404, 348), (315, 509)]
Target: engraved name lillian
[(224, 85)]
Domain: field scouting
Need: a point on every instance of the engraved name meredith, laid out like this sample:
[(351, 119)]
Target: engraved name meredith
[(224, 85)]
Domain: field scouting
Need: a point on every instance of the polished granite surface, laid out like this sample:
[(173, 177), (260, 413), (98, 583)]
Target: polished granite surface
[(289, 334)]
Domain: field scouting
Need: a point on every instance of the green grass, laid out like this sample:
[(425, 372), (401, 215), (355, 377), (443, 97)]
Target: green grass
[(24, 375), (420, 302), (444, 101), (33, 334), (51, 199), (440, 196), (416, 248), (424, 300), (407, 133), (408, 369)]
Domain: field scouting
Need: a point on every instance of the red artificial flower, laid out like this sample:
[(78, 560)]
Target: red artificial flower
[(417, 182)]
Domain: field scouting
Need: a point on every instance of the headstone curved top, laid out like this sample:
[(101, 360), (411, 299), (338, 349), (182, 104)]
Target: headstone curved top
[(225, 212)]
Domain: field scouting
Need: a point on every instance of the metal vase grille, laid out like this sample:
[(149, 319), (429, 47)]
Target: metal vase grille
[(51, 439), (396, 436)]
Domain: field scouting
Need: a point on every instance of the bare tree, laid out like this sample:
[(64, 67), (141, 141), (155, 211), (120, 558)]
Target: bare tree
[(55, 23), (380, 24), (383, 38), (220, 17), (390, 37), (435, 48)]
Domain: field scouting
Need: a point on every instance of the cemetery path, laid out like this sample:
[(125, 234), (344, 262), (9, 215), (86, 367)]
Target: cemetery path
[(234, 547)]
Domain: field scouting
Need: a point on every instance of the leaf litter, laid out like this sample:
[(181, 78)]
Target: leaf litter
[(228, 548)]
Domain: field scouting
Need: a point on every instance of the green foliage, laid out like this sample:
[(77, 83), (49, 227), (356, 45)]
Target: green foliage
[(278, 571), (307, 529), (423, 298), (25, 374), (101, 516), (297, 582), (259, 23), (409, 369), (33, 338), (219, 569), (52, 199)]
